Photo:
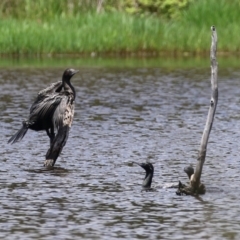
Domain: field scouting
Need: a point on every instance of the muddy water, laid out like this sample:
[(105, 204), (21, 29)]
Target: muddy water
[(122, 115)]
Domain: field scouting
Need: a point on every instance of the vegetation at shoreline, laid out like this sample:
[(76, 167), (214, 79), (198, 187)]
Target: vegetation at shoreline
[(79, 29), (227, 63)]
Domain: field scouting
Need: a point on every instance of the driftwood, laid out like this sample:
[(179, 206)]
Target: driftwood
[(195, 186)]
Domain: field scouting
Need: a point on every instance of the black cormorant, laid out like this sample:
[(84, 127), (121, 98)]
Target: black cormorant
[(62, 117), (51, 109), (148, 167)]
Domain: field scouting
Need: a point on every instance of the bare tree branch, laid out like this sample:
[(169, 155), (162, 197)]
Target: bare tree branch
[(195, 183)]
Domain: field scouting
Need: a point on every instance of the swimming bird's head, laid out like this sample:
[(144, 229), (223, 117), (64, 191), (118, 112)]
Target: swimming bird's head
[(189, 171), (148, 167)]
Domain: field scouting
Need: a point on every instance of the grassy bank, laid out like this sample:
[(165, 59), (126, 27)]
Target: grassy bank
[(120, 33)]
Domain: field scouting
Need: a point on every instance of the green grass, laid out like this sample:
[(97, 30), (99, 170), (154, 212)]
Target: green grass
[(119, 33), (196, 21), (89, 32)]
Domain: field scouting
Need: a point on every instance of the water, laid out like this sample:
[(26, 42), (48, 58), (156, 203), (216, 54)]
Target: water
[(122, 115)]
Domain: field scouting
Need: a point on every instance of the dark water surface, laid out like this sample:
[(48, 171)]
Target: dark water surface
[(122, 115)]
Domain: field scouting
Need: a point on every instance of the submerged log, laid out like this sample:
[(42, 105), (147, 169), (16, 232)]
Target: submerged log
[(195, 186)]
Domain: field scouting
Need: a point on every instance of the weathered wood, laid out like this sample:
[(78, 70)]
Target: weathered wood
[(195, 184)]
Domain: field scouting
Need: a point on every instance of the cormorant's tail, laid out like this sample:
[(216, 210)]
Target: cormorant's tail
[(19, 135)]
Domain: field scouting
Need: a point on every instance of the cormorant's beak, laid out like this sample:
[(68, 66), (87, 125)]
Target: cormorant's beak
[(141, 165), (74, 72)]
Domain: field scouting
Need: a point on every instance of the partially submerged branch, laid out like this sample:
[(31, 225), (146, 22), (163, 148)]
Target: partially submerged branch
[(196, 187)]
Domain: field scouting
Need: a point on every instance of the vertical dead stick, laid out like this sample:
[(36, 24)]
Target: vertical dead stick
[(196, 187), (195, 180)]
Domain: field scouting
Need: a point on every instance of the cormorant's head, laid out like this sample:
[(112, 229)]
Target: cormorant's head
[(147, 166), (189, 171), (68, 73)]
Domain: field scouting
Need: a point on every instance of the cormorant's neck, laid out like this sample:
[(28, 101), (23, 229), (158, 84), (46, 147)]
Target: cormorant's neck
[(68, 86), (147, 180)]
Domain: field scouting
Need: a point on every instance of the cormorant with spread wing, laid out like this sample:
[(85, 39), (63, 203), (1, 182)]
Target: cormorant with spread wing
[(53, 109), (42, 111)]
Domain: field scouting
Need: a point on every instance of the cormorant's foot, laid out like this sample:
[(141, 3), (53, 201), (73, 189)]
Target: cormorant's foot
[(49, 163)]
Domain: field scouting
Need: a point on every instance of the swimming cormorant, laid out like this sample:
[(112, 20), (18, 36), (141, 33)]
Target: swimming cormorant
[(148, 167), (50, 107), (190, 172)]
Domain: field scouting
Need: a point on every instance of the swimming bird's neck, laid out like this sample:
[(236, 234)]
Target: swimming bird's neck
[(147, 180)]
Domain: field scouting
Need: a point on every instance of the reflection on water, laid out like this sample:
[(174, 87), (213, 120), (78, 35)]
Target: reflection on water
[(122, 115)]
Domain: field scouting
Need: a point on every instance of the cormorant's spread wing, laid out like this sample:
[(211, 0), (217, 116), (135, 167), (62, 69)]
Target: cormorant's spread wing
[(44, 109), (54, 87), (45, 93)]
